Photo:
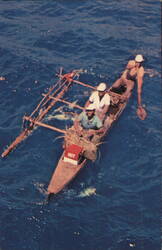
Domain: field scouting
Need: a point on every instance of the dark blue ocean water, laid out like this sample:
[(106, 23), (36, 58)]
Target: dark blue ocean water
[(114, 203)]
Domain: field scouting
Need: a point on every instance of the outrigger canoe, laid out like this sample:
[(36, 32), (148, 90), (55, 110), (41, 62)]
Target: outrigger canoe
[(73, 158)]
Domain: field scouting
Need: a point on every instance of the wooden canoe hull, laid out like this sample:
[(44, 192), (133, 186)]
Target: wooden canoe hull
[(64, 171), (63, 174)]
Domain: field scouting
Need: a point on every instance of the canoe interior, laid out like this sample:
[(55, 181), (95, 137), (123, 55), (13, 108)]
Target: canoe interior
[(64, 171)]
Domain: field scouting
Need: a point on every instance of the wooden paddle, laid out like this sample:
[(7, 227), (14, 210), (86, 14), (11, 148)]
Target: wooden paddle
[(141, 112), (47, 199)]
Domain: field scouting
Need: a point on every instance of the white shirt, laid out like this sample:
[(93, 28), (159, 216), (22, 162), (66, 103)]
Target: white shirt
[(95, 99)]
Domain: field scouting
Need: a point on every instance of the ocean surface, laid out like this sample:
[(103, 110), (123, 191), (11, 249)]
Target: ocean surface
[(114, 203)]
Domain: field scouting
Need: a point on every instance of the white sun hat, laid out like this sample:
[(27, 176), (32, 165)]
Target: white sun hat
[(139, 58), (91, 107), (102, 86)]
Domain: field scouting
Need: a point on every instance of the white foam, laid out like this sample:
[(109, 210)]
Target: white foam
[(88, 192)]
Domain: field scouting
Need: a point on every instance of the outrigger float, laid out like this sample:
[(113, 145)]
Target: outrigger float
[(75, 148)]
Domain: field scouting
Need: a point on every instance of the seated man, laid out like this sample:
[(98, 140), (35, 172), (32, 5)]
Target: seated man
[(100, 99), (88, 124)]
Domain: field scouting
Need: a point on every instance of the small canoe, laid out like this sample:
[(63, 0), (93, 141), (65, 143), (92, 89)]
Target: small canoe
[(68, 168)]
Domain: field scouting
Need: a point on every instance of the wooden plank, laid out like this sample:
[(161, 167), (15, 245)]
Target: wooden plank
[(95, 88), (84, 84), (44, 125), (66, 102)]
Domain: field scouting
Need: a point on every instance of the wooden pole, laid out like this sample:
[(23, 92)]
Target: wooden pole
[(66, 102), (69, 78), (92, 87), (84, 84), (95, 88), (44, 125)]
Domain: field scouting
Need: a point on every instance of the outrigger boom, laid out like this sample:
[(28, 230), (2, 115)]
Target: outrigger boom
[(48, 101), (66, 102)]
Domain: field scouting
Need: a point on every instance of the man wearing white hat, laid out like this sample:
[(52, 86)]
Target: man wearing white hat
[(88, 121), (100, 99), (134, 72)]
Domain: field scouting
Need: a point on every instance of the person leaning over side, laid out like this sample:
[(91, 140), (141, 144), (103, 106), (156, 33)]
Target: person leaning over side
[(100, 99), (133, 73), (88, 124)]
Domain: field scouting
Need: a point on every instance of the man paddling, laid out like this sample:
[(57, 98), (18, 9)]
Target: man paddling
[(88, 123), (133, 73), (100, 99)]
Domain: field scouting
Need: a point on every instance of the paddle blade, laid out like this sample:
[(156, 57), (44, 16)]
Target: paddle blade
[(142, 114), (47, 199)]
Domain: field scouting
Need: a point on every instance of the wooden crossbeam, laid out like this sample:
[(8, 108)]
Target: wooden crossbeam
[(95, 88), (44, 125), (84, 84), (69, 78), (66, 102), (89, 86)]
